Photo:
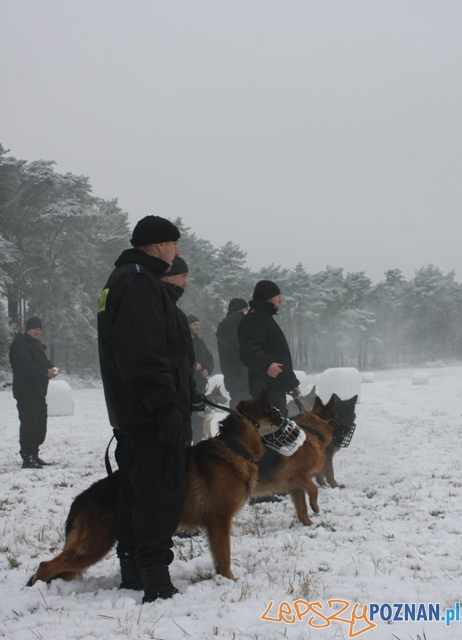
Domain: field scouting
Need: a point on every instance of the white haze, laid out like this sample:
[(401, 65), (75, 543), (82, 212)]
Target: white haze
[(327, 133)]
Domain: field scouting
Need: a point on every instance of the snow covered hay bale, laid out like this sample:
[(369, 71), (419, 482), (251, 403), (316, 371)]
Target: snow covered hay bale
[(367, 376), (420, 377), (344, 381), (60, 400)]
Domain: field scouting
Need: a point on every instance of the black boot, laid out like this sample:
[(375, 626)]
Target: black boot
[(40, 461), (157, 583), (131, 578), (29, 462)]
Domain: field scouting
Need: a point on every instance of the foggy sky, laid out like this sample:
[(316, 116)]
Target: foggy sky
[(322, 132)]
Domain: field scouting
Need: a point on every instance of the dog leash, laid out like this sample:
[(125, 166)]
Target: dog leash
[(107, 462)]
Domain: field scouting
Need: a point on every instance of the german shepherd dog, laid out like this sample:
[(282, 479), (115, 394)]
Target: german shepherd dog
[(345, 410), (221, 474), (346, 413), (293, 475)]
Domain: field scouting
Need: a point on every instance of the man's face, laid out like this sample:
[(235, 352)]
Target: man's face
[(194, 328), (168, 251), (180, 279), (245, 311), (34, 333), (276, 301)]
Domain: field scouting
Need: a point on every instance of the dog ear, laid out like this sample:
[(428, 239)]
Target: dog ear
[(330, 406), (318, 404)]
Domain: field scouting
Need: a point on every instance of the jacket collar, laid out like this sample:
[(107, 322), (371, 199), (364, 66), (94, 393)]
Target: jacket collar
[(267, 307), (131, 256)]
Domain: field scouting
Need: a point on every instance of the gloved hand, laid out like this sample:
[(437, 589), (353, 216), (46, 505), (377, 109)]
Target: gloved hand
[(198, 402), (170, 427)]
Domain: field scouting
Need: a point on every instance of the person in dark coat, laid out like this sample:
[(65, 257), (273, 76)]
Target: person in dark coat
[(234, 372), (175, 281), (142, 349), (263, 347), (31, 372), (203, 367)]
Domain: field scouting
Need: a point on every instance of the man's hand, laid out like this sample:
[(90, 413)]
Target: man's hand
[(198, 366), (205, 373), (296, 393), (274, 369), (52, 373), (170, 428)]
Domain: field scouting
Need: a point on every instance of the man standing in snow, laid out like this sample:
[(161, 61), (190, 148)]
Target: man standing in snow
[(234, 372), (141, 345), (31, 372), (203, 367), (264, 349), (175, 282)]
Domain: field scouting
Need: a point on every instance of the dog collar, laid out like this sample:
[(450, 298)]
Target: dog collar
[(235, 446)]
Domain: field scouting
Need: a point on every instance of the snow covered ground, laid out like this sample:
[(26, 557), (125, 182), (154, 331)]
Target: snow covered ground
[(393, 535)]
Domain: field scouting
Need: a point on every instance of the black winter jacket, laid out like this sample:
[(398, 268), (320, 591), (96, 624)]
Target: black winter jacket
[(262, 342), (233, 369), (187, 391), (30, 367), (205, 359), (142, 343)]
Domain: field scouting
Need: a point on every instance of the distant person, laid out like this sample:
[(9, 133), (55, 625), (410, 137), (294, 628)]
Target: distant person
[(264, 349), (235, 376), (203, 367), (31, 372), (175, 281)]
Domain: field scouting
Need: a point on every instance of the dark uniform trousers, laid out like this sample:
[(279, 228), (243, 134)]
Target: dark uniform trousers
[(151, 495), (32, 412)]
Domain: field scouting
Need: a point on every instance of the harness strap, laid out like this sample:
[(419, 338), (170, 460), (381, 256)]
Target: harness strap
[(235, 446), (315, 433), (235, 412)]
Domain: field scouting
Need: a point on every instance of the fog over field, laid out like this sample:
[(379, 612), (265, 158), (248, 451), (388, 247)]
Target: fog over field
[(325, 133)]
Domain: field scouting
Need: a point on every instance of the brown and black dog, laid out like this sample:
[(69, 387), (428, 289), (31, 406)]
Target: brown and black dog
[(294, 474), (346, 413), (221, 475), (345, 410)]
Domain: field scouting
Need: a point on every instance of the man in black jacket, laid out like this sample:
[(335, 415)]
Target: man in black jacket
[(264, 349), (234, 372), (142, 347), (31, 373), (203, 367), (175, 281)]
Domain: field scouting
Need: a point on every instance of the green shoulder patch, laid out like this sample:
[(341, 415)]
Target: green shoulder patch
[(102, 300)]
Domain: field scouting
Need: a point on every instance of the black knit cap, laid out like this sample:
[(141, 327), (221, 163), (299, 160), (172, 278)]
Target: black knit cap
[(265, 289), (34, 323), (236, 304), (154, 229), (192, 318), (178, 266)]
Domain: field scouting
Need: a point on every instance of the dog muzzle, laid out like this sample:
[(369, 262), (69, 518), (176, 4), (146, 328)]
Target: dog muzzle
[(285, 439), (343, 433)]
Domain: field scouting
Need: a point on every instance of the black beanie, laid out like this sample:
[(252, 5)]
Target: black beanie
[(236, 304), (192, 318), (265, 289), (178, 266), (154, 229), (34, 323)]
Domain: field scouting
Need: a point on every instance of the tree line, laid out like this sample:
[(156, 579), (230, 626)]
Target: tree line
[(58, 244)]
